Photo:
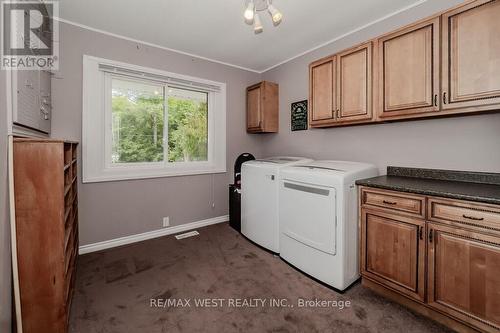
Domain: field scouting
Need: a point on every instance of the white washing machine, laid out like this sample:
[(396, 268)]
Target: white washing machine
[(318, 216), (259, 199)]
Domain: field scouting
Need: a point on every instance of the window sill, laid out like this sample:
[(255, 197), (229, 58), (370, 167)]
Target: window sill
[(112, 176)]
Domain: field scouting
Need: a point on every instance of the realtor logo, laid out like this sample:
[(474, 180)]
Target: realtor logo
[(30, 35)]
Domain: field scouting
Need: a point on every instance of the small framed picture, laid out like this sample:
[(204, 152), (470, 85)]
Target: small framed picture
[(299, 116)]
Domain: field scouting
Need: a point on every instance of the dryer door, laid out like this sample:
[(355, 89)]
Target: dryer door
[(307, 214)]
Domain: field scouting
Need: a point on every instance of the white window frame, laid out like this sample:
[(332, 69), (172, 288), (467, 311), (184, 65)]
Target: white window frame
[(97, 130)]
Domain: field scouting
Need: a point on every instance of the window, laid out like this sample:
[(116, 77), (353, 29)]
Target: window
[(143, 123)]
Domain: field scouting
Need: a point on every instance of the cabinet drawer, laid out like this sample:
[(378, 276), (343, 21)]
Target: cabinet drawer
[(481, 217), (403, 203)]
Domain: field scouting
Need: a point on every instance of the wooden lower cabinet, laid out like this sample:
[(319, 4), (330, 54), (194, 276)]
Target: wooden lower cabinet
[(393, 251), (464, 275), (437, 265)]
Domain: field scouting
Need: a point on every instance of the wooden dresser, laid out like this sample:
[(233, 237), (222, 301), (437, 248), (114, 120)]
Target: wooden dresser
[(438, 256), (46, 210)]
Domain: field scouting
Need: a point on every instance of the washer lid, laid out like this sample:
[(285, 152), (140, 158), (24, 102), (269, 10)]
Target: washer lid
[(281, 159), (338, 166), (329, 172)]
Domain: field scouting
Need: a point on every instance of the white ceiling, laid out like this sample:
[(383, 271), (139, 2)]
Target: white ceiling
[(215, 29)]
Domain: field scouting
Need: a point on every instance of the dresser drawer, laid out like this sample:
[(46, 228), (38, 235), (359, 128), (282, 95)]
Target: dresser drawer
[(477, 216), (395, 201)]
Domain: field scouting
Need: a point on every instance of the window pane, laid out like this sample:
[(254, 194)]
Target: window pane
[(137, 122), (187, 125)]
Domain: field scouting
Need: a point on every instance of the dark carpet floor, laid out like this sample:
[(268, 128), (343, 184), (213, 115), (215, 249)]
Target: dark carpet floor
[(142, 287)]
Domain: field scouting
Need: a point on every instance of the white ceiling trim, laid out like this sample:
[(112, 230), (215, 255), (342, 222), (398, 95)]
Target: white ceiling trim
[(104, 32)]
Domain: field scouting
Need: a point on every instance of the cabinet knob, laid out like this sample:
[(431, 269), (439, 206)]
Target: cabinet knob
[(444, 97), (435, 100)]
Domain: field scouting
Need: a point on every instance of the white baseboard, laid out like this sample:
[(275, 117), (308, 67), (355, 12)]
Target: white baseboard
[(150, 235)]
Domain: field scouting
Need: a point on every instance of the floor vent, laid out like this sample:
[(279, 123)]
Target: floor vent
[(187, 234)]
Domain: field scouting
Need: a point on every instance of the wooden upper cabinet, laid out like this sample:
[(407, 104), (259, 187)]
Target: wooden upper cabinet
[(354, 84), (393, 251), (409, 70), (254, 107), (322, 90), (464, 275), (471, 55), (263, 108)]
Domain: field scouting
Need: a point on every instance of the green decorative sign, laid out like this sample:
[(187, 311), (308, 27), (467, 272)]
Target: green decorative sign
[(299, 116)]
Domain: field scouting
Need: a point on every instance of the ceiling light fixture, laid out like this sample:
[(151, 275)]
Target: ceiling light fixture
[(276, 15), (253, 7), (257, 24), (249, 13)]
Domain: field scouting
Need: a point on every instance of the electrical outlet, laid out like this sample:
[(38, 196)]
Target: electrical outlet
[(166, 221)]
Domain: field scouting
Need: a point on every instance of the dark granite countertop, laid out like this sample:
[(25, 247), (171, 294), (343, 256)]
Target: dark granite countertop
[(473, 186)]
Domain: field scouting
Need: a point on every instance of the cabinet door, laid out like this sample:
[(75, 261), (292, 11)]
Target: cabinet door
[(354, 84), (322, 90), (254, 108), (26, 98), (45, 102), (409, 70), (464, 275), (393, 252), (471, 55)]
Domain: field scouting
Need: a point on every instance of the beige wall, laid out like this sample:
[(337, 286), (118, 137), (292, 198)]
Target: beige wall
[(115, 209), (463, 143), (5, 267)]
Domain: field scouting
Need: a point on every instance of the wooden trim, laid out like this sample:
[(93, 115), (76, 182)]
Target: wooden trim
[(258, 128), (13, 239), (46, 140)]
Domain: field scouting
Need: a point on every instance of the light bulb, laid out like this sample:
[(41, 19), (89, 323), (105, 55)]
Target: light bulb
[(275, 14), (257, 24), (249, 13)]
